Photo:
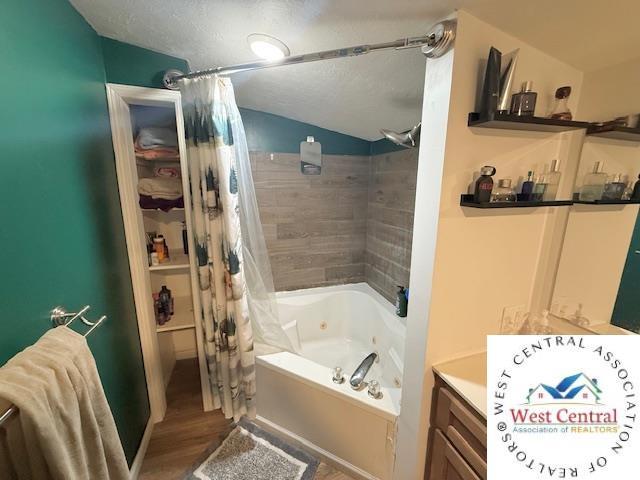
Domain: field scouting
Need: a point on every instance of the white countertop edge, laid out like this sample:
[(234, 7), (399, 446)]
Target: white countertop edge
[(467, 376)]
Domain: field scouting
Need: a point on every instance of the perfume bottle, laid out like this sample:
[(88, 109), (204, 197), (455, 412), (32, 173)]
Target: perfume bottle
[(552, 178), (593, 184), (614, 189), (635, 195), (527, 187), (484, 185), (539, 188), (503, 192), (524, 102), (628, 191), (561, 105)]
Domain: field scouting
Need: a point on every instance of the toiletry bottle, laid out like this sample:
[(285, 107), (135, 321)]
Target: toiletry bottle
[(524, 102), (593, 184), (484, 185), (491, 86), (503, 192), (161, 318), (561, 105), (539, 188), (527, 187), (401, 302), (614, 189), (166, 302), (552, 178), (158, 246), (185, 243), (635, 195)]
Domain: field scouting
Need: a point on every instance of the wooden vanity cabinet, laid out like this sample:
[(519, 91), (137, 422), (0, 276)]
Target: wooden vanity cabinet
[(457, 438)]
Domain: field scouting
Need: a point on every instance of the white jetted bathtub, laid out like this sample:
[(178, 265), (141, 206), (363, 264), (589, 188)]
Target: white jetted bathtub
[(336, 327)]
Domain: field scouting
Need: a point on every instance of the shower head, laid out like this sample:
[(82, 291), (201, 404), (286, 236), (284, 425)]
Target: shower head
[(407, 139)]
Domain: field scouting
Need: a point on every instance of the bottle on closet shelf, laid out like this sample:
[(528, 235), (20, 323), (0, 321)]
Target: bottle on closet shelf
[(484, 185), (635, 194), (159, 248), (523, 103), (503, 192), (185, 243), (593, 184), (527, 187), (614, 189), (552, 178), (166, 302), (561, 105), (539, 188)]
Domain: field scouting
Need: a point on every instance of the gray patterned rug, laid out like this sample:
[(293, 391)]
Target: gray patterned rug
[(250, 453)]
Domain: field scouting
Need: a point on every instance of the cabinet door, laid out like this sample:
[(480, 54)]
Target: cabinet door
[(446, 462)]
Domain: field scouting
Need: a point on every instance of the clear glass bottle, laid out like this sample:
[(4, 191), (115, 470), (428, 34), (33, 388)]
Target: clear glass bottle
[(552, 178), (523, 103), (628, 191), (593, 184), (614, 189), (503, 192), (561, 105), (539, 188)]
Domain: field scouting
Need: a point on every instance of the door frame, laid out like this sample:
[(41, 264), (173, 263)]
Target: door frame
[(119, 98)]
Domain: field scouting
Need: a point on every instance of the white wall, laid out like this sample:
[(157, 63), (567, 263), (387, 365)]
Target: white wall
[(484, 260), (597, 238)]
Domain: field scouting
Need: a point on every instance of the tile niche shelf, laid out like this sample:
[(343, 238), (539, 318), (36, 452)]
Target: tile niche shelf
[(466, 200), (528, 123), (615, 132)]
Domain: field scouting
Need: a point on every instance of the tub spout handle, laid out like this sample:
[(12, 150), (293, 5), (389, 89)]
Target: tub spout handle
[(338, 377), (357, 379)]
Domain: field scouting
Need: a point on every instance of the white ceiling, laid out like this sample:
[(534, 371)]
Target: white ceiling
[(357, 96)]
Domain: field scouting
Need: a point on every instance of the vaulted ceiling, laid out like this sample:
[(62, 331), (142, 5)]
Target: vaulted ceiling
[(360, 95)]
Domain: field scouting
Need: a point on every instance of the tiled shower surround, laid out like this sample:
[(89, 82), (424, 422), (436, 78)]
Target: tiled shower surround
[(350, 224)]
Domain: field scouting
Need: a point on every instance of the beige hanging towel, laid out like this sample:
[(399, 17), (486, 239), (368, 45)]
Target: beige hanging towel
[(65, 429)]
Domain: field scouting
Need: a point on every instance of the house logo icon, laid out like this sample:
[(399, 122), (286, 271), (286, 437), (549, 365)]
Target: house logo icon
[(578, 388)]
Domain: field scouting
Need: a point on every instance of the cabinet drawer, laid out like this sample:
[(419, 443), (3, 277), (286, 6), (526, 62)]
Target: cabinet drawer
[(463, 430), (447, 463)]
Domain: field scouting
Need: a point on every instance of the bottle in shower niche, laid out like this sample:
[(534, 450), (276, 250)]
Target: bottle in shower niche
[(484, 185), (539, 188), (527, 187), (523, 103), (552, 178), (593, 184), (614, 189), (503, 192), (561, 105), (401, 302)]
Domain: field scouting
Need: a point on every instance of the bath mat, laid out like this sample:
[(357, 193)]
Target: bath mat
[(250, 453)]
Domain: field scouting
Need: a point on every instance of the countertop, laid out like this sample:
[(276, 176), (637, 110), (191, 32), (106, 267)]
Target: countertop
[(467, 376)]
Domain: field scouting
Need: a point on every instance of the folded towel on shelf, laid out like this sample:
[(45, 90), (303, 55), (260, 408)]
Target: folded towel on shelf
[(161, 187), (155, 137), (64, 428), (150, 203), (172, 172), (158, 154)]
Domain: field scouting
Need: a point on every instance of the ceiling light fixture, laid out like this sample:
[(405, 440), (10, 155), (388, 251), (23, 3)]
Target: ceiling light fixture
[(267, 47)]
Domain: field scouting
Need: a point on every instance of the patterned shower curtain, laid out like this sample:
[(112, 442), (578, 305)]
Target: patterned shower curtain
[(209, 109)]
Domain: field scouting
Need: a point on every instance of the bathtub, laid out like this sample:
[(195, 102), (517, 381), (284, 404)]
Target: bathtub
[(335, 326)]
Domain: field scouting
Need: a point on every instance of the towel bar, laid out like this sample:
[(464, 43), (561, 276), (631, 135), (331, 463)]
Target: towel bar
[(59, 318)]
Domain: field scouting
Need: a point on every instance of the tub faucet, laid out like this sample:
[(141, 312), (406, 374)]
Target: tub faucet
[(357, 379)]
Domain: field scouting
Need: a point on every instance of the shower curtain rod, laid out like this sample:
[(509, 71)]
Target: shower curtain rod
[(434, 44)]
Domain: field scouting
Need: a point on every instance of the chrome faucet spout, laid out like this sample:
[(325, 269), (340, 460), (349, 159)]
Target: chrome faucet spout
[(357, 379)]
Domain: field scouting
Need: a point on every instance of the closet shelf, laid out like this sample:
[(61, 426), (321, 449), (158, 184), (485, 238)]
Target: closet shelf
[(516, 122), (177, 261), (151, 210), (614, 132), (182, 319), (466, 200), (576, 199)]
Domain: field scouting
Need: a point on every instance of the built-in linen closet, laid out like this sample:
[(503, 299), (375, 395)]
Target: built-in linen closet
[(150, 150)]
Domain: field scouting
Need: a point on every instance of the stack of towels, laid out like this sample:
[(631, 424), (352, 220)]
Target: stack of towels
[(164, 190), (157, 143)]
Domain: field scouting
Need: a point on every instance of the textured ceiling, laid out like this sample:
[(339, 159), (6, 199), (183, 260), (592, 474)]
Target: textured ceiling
[(357, 96), (360, 95)]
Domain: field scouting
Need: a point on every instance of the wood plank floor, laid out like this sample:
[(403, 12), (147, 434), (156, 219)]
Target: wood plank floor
[(186, 431)]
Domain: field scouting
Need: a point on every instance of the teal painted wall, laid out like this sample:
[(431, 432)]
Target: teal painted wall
[(131, 65), (62, 239)]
